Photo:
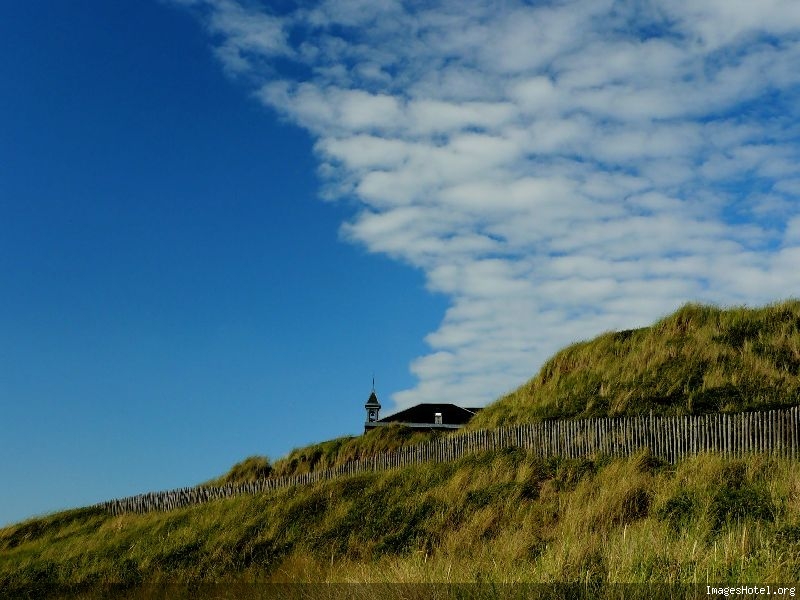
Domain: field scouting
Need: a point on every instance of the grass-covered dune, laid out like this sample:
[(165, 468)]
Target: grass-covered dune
[(502, 517), (324, 455), (699, 359)]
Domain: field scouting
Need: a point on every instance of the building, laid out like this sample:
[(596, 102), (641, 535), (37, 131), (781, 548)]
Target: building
[(421, 416)]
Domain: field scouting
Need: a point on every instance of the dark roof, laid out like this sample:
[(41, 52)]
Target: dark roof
[(373, 400), (424, 413)]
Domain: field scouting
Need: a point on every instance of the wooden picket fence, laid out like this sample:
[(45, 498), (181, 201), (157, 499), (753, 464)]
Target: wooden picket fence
[(775, 432)]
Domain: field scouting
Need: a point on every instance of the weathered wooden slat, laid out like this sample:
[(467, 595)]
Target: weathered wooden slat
[(671, 438)]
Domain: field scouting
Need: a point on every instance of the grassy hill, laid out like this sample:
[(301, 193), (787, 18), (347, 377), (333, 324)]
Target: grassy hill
[(700, 359), (324, 455), (501, 516)]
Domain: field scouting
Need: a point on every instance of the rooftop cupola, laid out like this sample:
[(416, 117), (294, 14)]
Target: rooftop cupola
[(373, 406)]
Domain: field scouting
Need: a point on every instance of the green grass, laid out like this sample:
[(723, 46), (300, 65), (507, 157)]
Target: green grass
[(325, 455), (501, 516), (701, 359)]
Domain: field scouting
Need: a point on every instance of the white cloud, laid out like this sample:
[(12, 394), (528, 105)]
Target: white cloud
[(245, 33), (557, 170), (427, 117)]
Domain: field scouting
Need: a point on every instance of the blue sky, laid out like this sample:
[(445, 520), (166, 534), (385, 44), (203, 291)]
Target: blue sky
[(219, 217), (175, 296)]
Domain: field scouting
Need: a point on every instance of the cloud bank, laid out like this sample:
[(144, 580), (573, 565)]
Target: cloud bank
[(556, 169)]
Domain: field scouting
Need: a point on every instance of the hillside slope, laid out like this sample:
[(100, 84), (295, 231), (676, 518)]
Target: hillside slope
[(325, 455), (501, 516), (700, 359)]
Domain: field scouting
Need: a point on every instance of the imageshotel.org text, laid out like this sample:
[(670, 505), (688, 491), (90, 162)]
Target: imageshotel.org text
[(750, 590)]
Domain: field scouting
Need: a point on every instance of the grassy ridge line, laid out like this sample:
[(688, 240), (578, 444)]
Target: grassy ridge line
[(504, 517), (327, 455), (500, 516), (700, 359)]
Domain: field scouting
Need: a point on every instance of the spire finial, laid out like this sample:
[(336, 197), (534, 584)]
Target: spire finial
[(373, 382)]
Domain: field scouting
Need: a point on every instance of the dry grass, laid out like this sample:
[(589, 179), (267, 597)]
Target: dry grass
[(504, 517), (699, 359)]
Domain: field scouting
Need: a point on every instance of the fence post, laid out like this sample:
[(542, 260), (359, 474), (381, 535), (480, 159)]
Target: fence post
[(675, 439), (657, 445), (582, 438), (540, 443), (741, 434), (721, 426), (712, 433), (670, 438), (661, 436), (759, 433), (698, 423), (771, 435), (639, 432), (569, 439)]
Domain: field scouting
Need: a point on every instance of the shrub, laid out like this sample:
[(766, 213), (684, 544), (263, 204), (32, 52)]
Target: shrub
[(679, 510)]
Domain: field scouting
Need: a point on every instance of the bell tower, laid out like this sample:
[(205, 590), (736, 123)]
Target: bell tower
[(373, 406)]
